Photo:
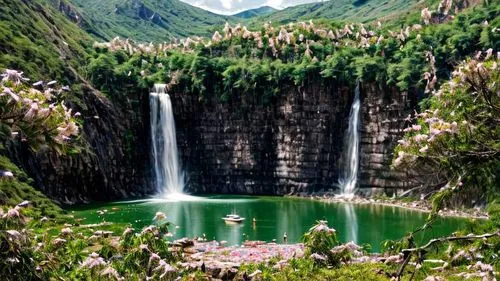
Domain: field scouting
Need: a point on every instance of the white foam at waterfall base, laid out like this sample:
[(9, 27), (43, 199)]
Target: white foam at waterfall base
[(168, 173), (349, 177)]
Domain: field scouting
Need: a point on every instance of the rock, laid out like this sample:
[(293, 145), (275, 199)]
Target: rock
[(184, 242), (6, 174), (228, 274)]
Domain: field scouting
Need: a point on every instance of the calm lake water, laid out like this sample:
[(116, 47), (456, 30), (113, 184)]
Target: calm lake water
[(274, 216)]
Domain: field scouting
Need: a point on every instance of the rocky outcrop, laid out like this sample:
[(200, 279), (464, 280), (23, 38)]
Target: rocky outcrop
[(142, 11), (70, 12), (292, 145)]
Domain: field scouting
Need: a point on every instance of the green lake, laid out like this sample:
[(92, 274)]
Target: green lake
[(274, 216)]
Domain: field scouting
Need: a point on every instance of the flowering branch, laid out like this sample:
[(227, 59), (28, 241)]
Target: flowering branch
[(35, 113)]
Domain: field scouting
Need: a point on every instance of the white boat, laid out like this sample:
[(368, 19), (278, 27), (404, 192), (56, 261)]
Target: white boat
[(233, 219)]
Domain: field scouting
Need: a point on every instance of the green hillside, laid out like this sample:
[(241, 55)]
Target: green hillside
[(355, 10), (146, 20), (265, 10), (37, 39)]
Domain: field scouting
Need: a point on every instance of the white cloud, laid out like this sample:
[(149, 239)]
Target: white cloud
[(278, 4), (229, 7), (227, 4)]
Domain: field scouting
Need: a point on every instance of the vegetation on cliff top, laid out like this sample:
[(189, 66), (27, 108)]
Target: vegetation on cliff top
[(261, 63)]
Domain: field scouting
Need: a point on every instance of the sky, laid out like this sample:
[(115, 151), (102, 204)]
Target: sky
[(229, 7)]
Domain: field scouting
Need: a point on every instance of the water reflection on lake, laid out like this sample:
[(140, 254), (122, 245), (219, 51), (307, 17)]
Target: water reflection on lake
[(274, 216)]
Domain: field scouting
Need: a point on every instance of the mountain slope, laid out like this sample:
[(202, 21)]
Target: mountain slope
[(264, 10), (146, 20), (356, 10), (37, 39)]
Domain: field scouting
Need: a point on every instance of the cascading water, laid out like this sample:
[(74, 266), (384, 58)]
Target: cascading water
[(351, 150), (169, 177)]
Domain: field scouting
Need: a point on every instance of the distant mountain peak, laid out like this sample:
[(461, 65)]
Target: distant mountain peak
[(261, 11)]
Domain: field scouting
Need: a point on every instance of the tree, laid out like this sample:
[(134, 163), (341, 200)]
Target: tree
[(457, 133)]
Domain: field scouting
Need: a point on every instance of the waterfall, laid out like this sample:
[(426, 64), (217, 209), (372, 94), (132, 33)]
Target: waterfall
[(169, 177), (351, 150)]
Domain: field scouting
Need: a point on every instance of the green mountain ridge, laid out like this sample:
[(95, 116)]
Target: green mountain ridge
[(146, 20), (261, 11), (160, 21), (355, 10)]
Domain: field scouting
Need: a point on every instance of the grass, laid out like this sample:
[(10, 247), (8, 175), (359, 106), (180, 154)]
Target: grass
[(15, 190), (37, 39)]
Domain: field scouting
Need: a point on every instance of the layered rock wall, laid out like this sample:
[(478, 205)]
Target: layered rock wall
[(292, 145)]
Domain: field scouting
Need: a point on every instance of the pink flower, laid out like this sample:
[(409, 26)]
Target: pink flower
[(144, 247), (13, 213), (14, 234), (93, 260), (352, 246), (59, 241), (159, 216), (435, 132), (32, 112), (165, 268), (318, 257), (150, 229), (14, 76), (110, 272), (66, 231), (127, 231), (323, 227), (420, 138), (154, 257), (12, 95), (424, 149)]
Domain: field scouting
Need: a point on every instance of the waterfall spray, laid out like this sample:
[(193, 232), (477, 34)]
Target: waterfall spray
[(351, 149), (169, 177)]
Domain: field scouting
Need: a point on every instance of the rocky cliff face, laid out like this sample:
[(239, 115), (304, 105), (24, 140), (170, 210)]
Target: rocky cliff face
[(290, 146), (70, 12), (113, 163), (383, 119), (293, 145)]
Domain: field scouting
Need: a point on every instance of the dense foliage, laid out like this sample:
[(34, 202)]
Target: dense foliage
[(263, 63), (456, 134), (48, 250)]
